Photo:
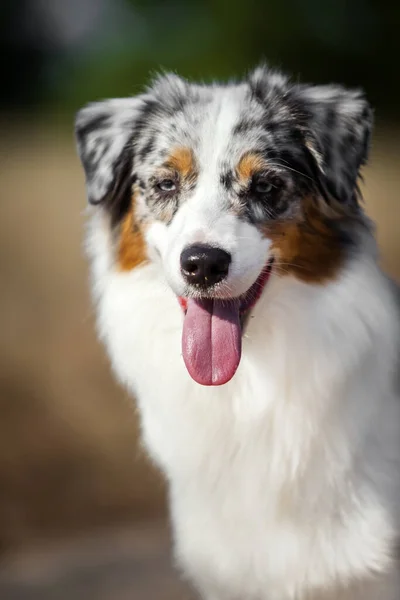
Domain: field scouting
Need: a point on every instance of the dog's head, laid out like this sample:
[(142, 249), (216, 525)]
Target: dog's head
[(222, 184)]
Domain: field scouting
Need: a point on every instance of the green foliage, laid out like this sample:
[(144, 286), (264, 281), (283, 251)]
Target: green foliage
[(354, 42)]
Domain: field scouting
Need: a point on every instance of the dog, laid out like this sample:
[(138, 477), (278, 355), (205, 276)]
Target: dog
[(238, 293)]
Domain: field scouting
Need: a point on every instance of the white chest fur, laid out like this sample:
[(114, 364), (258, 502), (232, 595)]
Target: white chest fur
[(280, 481)]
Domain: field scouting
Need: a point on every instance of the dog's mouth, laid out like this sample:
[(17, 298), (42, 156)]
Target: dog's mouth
[(212, 332)]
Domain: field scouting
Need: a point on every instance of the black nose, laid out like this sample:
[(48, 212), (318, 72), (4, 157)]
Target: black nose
[(204, 265)]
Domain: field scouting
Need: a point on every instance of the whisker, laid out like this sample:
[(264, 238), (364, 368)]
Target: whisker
[(291, 169)]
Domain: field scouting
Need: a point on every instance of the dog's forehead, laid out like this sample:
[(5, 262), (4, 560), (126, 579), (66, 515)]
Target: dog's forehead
[(218, 123)]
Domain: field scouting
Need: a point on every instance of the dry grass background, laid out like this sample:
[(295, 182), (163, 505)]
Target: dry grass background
[(69, 458)]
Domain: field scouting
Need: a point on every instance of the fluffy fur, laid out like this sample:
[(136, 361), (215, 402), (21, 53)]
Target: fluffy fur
[(284, 482)]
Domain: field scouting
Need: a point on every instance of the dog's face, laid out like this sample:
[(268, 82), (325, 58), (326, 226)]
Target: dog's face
[(221, 185)]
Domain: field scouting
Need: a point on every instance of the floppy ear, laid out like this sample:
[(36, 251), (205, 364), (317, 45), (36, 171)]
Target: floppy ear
[(105, 134), (338, 128)]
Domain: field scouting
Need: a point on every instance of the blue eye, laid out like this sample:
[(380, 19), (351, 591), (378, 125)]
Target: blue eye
[(263, 187), (167, 185), (267, 186)]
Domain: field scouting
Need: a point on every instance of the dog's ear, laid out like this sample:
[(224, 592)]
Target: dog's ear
[(334, 123), (338, 124), (105, 134), (108, 132)]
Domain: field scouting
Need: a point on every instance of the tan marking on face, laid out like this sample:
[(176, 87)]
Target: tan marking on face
[(311, 247), (182, 161), (250, 164), (132, 245)]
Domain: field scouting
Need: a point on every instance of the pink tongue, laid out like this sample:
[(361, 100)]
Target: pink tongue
[(212, 340)]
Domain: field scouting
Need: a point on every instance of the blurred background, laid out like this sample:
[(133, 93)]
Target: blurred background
[(82, 514)]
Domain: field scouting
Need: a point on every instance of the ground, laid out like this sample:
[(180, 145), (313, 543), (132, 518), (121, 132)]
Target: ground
[(122, 564)]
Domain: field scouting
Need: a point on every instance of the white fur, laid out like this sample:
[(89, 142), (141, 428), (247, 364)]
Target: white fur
[(284, 483)]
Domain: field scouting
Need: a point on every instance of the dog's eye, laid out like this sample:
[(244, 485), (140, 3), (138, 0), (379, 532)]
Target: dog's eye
[(167, 185), (263, 187), (266, 187)]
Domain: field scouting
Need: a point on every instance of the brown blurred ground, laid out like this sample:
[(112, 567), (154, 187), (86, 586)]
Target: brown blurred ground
[(67, 433), (69, 458), (123, 564)]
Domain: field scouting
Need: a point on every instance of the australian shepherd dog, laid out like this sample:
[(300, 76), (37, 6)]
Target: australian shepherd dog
[(239, 296)]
